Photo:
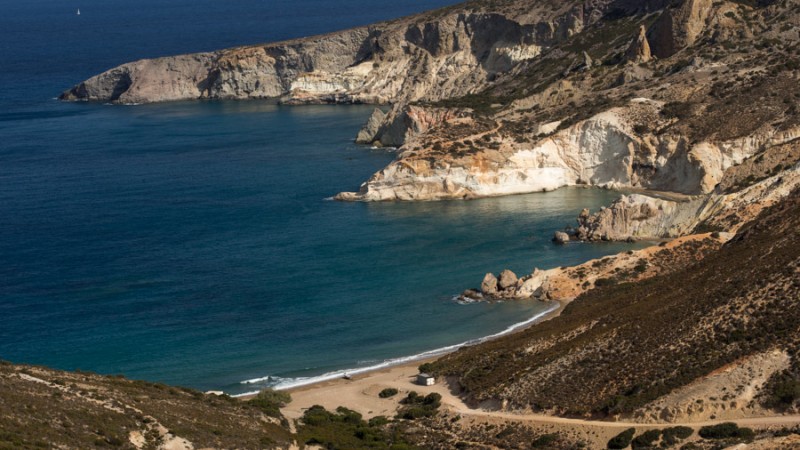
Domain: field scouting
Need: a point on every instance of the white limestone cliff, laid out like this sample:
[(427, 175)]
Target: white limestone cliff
[(603, 151)]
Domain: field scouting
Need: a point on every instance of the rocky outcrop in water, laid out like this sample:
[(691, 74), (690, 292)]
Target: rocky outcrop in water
[(561, 237), (489, 284), (368, 133)]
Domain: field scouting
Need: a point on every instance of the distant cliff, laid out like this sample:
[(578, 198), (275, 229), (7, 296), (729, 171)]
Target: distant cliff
[(437, 55)]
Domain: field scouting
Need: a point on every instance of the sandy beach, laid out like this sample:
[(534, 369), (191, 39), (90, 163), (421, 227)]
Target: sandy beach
[(360, 392)]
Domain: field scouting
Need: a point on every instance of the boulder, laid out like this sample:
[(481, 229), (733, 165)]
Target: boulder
[(507, 279), (471, 295), (560, 237), (489, 284)]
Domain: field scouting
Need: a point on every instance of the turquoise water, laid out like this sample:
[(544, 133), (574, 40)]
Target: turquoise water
[(192, 243)]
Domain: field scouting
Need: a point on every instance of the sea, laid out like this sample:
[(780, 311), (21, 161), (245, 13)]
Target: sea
[(195, 243)]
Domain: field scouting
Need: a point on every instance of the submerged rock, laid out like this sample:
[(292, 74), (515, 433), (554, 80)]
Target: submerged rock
[(560, 237), (471, 295)]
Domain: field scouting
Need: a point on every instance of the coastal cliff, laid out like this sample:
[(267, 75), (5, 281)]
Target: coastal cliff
[(664, 100), (437, 55)]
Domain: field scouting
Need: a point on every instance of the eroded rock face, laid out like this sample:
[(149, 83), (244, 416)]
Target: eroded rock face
[(606, 150), (150, 80), (639, 216), (639, 50), (369, 132), (403, 123), (679, 26)]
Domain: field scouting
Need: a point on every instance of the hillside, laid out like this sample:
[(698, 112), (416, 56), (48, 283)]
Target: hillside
[(44, 408), (620, 347)]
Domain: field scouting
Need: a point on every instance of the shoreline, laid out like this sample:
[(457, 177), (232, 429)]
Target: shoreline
[(406, 363)]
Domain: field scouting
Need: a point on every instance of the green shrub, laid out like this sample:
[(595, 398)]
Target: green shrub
[(784, 393), (416, 412), (725, 431), (418, 406), (271, 401), (388, 392), (671, 436), (317, 416), (646, 439), (622, 440), (677, 110), (349, 416), (345, 429), (544, 441), (600, 282), (378, 421)]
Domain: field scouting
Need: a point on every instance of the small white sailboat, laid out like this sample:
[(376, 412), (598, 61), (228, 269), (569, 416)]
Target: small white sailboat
[(79, 12)]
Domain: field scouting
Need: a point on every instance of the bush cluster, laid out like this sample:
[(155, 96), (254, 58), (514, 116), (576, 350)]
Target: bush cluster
[(417, 406), (271, 401), (622, 440), (726, 430), (388, 392), (346, 428)]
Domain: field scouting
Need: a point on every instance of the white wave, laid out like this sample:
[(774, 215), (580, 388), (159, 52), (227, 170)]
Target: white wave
[(289, 383)]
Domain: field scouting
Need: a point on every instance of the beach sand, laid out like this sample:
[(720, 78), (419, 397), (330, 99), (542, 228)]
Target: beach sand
[(360, 393)]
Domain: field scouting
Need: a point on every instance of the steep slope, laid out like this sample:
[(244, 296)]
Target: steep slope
[(618, 348)]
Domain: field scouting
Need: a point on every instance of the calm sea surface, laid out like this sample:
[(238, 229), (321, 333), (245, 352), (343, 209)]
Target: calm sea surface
[(191, 242)]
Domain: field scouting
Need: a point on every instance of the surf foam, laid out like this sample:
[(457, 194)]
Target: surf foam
[(279, 383)]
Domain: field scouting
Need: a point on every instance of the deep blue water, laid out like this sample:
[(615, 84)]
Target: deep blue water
[(191, 242)]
